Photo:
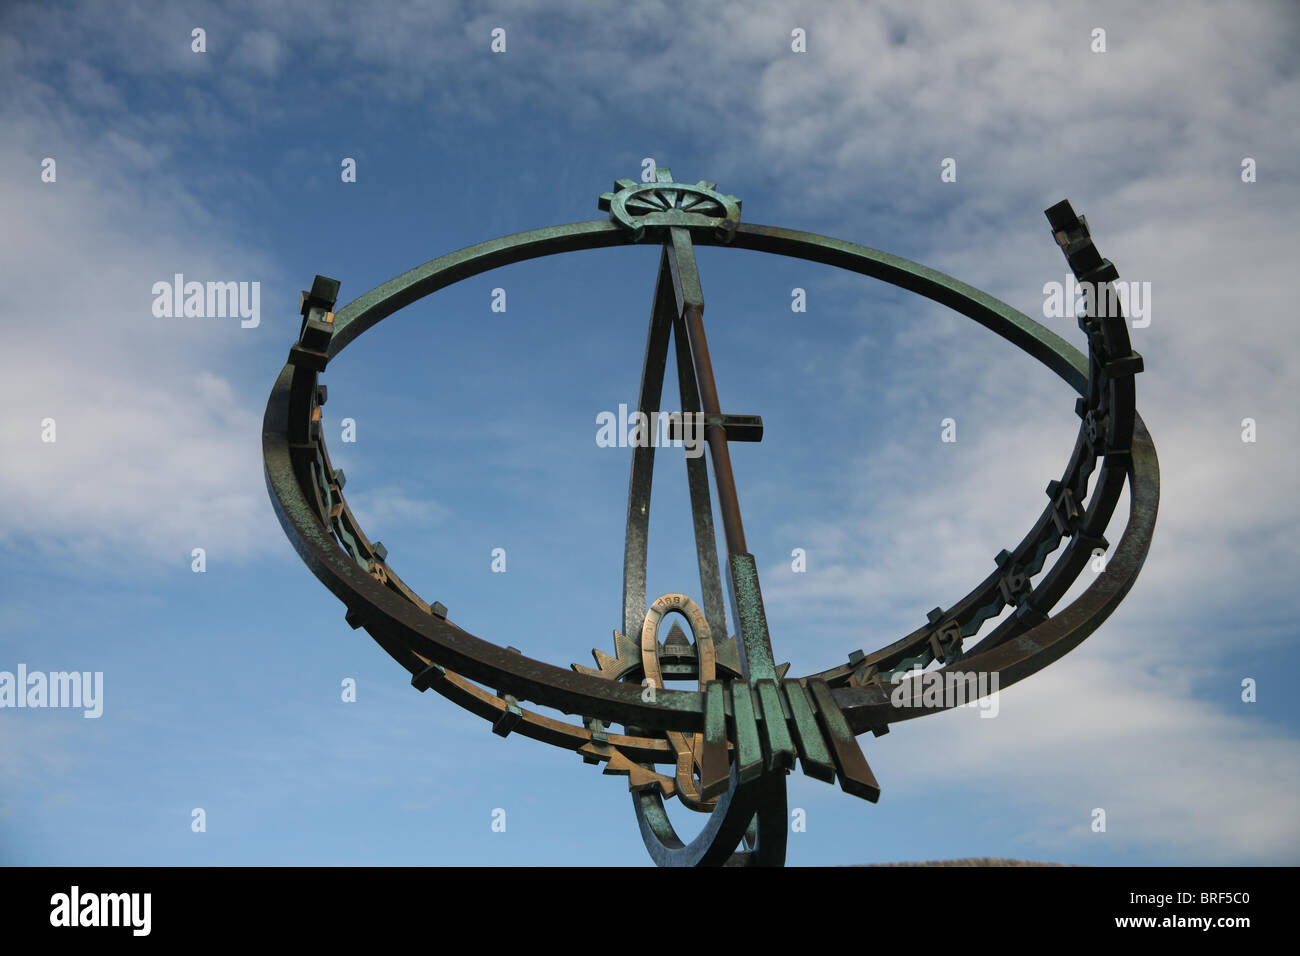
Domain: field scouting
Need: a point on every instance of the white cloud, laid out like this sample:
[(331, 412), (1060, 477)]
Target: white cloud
[(155, 454), (260, 52), (1114, 727)]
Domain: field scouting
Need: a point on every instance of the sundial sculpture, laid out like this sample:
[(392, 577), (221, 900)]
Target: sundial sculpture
[(730, 744)]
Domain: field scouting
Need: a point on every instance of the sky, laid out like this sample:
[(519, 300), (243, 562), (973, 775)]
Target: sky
[(224, 736)]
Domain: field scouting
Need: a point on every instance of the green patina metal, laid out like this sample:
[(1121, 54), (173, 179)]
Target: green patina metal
[(732, 741)]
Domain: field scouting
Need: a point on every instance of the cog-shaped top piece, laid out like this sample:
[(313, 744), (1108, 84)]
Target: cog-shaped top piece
[(664, 203)]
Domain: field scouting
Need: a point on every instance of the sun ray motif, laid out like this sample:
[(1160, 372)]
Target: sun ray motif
[(650, 208)]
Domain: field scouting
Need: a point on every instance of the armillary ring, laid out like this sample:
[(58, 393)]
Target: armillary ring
[(731, 742)]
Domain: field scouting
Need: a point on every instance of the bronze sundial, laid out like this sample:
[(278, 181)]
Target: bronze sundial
[(729, 745)]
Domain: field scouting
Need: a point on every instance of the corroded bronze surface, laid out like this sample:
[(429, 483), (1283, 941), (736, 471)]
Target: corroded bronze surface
[(732, 741)]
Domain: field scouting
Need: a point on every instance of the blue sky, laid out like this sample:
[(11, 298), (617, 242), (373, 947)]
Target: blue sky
[(476, 429)]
